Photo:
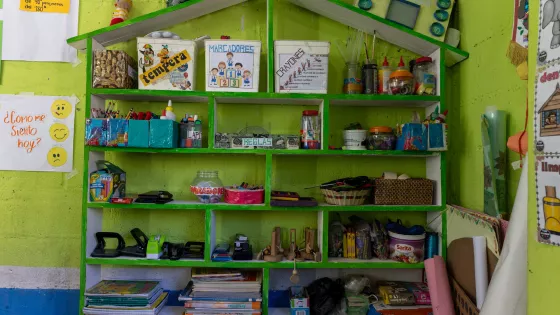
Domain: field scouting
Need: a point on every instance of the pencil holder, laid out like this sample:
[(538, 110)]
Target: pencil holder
[(96, 132), (437, 137), (139, 133), (414, 137), (164, 133), (117, 133)]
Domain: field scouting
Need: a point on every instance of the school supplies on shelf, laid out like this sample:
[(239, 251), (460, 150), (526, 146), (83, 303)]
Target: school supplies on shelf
[(109, 181)]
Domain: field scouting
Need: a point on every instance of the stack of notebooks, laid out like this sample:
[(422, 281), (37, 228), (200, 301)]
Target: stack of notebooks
[(119, 297), (217, 292)]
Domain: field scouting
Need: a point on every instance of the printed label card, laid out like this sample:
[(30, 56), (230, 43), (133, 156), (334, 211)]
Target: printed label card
[(547, 111), (548, 199), (45, 6)]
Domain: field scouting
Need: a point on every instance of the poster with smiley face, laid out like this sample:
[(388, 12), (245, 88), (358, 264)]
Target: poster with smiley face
[(37, 133)]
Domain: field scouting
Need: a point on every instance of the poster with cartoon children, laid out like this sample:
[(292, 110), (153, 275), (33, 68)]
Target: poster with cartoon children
[(231, 65)]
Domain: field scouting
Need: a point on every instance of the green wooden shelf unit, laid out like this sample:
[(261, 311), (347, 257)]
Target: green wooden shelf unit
[(92, 269)]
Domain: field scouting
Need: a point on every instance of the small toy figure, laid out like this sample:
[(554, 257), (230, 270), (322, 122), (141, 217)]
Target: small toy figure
[(247, 78), (229, 56), (164, 55), (122, 7), (221, 69), (149, 54), (238, 67), (214, 77)]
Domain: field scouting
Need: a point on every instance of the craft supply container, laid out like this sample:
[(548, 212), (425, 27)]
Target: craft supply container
[(96, 132), (352, 82), (166, 64), (232, 66), (139, 133), (437, 137), (310, 130), (190, 135), (114, 69), (424, 78), (414, 137), (406, 248), (401, 82), (354, 139), (243, 197), (412, 191), (346, 198), (370, 78), (208, 187), (381, 138), (164, 133), (301, 66), (117, 132)]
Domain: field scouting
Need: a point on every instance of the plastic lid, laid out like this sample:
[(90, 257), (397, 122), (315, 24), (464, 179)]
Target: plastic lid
[(401, 73), (401, 63), (424, 59), (310, 113), (385, 62), (380, 129)]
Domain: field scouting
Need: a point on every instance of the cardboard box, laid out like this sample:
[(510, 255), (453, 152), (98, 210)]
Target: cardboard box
[(414, 137), (164, 134), (232, 66), (166, 64), (139, 133), (109, 181), (437, 137), (117, 133), (96, 132), (301, 66), (404, 310), (299, 301)]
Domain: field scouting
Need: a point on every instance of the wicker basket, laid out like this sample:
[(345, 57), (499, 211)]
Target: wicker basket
[(346, 198), (463, 304), (404, 191)]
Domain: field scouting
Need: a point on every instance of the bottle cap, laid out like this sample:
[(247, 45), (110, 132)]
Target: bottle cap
[(550, 191), (385, 62), (401, 63)]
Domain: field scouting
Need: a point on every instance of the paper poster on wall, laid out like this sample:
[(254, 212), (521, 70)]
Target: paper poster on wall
[(547, 110), (37, 30), (37, 133), (549, 31), (548, 202)]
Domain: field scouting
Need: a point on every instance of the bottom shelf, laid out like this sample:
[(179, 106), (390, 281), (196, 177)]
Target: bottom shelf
[(172, 310)]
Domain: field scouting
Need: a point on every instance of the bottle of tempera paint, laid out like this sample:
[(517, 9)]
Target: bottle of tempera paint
[(551, 210), (384, 74)]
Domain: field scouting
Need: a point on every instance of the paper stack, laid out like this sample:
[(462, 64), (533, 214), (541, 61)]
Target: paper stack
[(216, 292), (120, 297)]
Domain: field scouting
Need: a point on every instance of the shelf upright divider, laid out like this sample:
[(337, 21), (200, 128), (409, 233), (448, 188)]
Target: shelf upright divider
[(212, 107), (268, 179), (325, 244), (208, 236), (270, 44), (265, 289), (325, 123)]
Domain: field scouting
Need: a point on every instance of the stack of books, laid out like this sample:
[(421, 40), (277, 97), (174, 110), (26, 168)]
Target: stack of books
[(216, 292), (120, 297)]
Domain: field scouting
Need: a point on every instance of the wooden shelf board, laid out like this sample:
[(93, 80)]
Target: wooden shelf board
[(145, 24)]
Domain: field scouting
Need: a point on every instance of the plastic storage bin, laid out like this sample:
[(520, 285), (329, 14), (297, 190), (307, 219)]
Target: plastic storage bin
[(414, 137), (164, 133), (117, 133), (232, 66), (301, 66), (139, 133), (244, 197)]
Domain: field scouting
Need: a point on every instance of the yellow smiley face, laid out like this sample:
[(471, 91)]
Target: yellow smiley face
[(61, 109), (59, 132), (57, 157)]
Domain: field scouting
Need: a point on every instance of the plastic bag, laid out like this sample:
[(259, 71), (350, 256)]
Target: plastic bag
[(324, 295), (356, 284)]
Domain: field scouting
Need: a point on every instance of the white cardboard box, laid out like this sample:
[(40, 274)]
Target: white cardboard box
[(301, 66), (232, 65), (166, 64)]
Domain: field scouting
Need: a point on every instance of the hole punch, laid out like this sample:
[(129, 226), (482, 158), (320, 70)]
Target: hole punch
[(102, 252)]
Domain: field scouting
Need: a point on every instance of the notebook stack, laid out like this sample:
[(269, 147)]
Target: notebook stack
[(120, 297), (217, 292)]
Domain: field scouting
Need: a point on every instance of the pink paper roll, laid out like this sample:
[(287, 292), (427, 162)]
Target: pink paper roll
[(438, 283)]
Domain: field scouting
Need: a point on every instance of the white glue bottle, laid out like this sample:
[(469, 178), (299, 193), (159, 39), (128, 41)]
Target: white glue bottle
[(384, 73)]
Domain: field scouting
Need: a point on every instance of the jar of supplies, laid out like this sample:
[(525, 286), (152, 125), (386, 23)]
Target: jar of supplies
[(310, 130), (208, 187)]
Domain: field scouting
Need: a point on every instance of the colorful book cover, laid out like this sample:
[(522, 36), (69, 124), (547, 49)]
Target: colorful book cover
[(213, 273), (124, 288), (223, 305), (151, 306), (122, 301)]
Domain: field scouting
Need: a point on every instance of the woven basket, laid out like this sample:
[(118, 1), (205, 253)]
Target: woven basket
[(463, 304), (346, 198), (404, 191)]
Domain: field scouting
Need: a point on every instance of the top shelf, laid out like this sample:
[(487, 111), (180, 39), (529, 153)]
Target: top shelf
[(333, 9)]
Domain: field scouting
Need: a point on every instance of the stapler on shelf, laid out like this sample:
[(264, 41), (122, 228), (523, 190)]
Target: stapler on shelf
[(243, 250), (155, 247), (101, 251), (194, 250), (138, 250), (172, 251)]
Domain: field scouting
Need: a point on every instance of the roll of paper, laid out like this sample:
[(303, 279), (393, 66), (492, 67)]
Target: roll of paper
[(389, 175), (480, 269), (494, 137), (438, 283)]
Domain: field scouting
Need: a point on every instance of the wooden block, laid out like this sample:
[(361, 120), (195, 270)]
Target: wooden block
[(230, 73), (222, 82), (234, 83)]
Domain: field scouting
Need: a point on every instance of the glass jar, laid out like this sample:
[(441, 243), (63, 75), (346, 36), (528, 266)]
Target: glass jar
[(381, 138), (425, 80), (208, 187), (310, 130), (401, 82), (352, 82)]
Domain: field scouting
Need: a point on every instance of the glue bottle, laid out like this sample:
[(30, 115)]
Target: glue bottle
[(384, 74), (169, 111), (197, 143)]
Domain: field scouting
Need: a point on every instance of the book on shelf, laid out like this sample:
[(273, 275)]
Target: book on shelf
[(122, 301), (124, 288), (221, 312), (223, 305), (200, 273), (153, 309)]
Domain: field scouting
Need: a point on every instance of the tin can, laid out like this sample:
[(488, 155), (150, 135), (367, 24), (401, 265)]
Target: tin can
[(370, 78)]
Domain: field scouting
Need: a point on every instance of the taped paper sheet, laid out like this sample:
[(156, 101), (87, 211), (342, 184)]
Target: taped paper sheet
[(37, 133), (30, 35)]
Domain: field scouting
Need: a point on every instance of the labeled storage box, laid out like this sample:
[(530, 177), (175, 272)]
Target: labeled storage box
[(96, 132), (437, 137), (301, 66), (139, 133), (107, 182), (299, 301), (232, 66), (414, 137), (117, 132), (114, 69), (164, 134), (412, 191), (166, 64)]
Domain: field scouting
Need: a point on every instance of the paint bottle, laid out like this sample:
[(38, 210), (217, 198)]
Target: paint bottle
[(197, 143), (551, 205), (384, 74), (169, 111)]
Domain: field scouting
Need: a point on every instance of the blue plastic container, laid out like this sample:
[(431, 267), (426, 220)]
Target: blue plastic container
[(117, 133), (164, 133), (139, 133), (414, 137)]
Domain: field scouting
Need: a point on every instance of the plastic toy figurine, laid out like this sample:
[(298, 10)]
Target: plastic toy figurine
[(122, 7)]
